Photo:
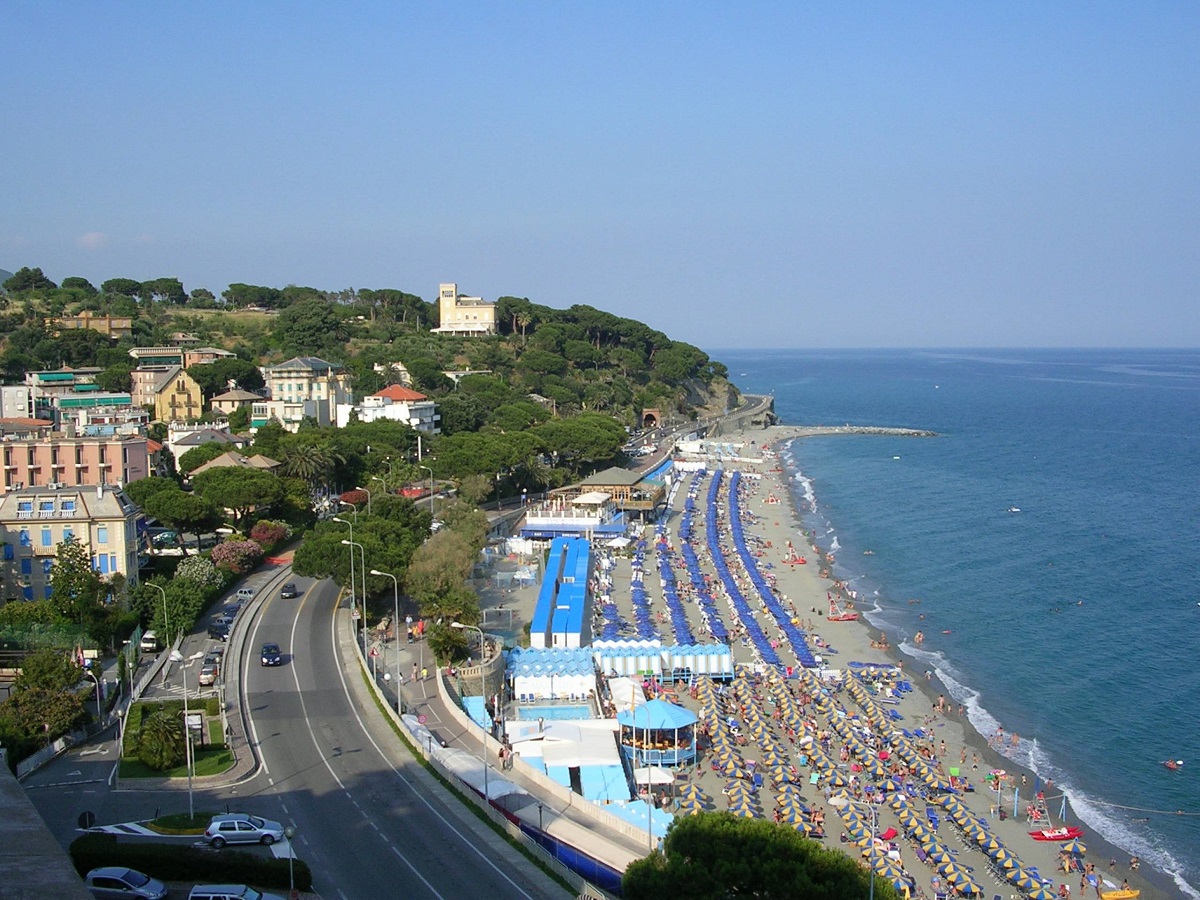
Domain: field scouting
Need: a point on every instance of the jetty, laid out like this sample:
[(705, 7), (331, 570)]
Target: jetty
[(820, 430)]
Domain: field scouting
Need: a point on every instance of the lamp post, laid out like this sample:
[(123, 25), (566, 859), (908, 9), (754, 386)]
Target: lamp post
[(646, 765), (395, 628), (368, 493), (177, 657), (430, 471), (290, 832), (363, 553), (351, 524), (92, 675), (840, 802), (483, 688), (166, 624)]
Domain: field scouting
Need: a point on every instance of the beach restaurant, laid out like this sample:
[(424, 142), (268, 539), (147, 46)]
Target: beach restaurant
[(658, 733)]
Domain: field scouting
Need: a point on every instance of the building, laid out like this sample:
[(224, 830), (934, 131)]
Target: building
[(114, 327), (459, 314), (182, 437), (75, 408), (178, 356), (45, 386), (235, 398), (395, 403), (34, 521), (16, 401), (395, 370), (37, 458), (562, 614), (233, 459), (177, 397), (305, 386), (592, 514)]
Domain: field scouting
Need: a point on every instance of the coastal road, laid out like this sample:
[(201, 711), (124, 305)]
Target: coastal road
[(370, 822)]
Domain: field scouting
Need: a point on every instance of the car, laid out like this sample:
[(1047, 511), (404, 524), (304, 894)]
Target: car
[(241, 828), (150, 643), (214, 656), (208, 674), (113, 882), (245, 594), (288, 591), (218, 632), (232, 609), (271, 655), (228, 892)]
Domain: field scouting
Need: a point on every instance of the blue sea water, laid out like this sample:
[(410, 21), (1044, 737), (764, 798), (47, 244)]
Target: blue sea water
[(1074, 622)]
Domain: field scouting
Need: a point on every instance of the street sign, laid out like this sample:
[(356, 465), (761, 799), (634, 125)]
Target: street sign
[(374, 654), (87, 820)]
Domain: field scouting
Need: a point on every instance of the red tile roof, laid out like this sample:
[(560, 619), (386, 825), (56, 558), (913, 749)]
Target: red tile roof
[(398, 393)]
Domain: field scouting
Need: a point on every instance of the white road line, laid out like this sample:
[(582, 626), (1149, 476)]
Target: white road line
[(418, 794)]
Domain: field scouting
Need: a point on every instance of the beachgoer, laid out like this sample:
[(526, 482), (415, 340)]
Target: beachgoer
[(1134, 862), (424, 672)]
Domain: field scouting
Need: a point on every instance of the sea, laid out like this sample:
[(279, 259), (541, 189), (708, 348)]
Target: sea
[(1046, 543)]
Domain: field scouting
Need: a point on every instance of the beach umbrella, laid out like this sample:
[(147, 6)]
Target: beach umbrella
[(974, 831), (691, 790), (887, 867), (909, 819), (1023, 880), (941, 855), (743, 812), (837, 779), (805, 826), (988, 842), (1074, 846), (919, 830), (1041, 892)]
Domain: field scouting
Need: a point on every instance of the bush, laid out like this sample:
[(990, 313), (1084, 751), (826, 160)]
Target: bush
[(201, 571), (268, 534), (171, 862), (237, 557), (162, 744)]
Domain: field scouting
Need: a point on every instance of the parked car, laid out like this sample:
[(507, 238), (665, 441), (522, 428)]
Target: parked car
[(214, 656), (229, 892), (218, 632), (271, 655), (245, 594), (150, 643), (288, 591), (120, 883), (240, 828), (208, 674)]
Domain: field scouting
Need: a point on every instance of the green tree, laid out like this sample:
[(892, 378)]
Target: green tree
[(311, 327), (143, 489), (50, 670), (186, 513), (125, 286), (242, 491), (75, 283), (214, 377), (239, 420), (714, 856), (116, 378), (75, 588), (436, 578), (37, 716), (162, 743), (27, 279)]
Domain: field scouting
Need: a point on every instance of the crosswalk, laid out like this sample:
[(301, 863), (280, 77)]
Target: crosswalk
[(279, 849)]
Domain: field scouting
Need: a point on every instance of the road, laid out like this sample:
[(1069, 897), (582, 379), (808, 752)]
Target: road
[(370, 822)]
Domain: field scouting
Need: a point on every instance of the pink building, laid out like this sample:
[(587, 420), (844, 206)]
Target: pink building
[(31, 460)]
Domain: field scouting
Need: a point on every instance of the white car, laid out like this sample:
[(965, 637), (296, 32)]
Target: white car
[(239, 828), (121, 883)]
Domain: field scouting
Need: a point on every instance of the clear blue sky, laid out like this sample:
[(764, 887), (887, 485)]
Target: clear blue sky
[(735, 174)]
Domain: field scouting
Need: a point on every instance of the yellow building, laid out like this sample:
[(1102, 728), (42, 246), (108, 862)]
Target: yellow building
[(177, 396), (460, 314)]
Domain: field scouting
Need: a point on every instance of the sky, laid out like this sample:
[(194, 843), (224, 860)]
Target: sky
[(791, 174)]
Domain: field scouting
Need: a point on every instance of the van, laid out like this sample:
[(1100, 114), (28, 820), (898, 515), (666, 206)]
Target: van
[(245, 594), (150, 643), (228, 892)]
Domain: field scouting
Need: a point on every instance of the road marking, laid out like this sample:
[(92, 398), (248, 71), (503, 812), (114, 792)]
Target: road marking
[(418, 794)]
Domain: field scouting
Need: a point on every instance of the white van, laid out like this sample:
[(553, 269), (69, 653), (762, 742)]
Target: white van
[(150, 643)]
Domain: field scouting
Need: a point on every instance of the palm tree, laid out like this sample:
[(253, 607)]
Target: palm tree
[(312, 462), (161, 744)]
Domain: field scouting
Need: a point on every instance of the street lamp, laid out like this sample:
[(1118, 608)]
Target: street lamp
[(290, 832), (166, 625), (430, 471), (843, 801), (645, 765), (482, 687), (363, 553), (351, 524), (177, 657), (92, 675), (395, 627), (368, 493)]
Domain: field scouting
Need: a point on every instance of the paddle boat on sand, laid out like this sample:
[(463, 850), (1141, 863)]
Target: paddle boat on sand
[(1057, 834), (1123, 894)]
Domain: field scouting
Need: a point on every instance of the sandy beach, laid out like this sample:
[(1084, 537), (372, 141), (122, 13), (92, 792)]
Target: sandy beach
[(770, 517), (954, 747)]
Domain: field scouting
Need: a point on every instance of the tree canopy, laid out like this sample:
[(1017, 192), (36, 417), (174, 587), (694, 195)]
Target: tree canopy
[(714, 856)]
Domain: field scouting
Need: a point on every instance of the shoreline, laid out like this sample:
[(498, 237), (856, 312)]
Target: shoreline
[(1154, 884)]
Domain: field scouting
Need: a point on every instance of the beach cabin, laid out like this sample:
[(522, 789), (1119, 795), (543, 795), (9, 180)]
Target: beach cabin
[(562, 615)]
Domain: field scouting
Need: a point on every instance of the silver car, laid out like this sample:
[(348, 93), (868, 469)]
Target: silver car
[(120, 883), (239, 828)]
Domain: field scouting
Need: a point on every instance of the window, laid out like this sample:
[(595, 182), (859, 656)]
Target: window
[(68, 507), (102, 568), (102, 534), (8, 551), (68, 534), (112, 562), (47, 566), (24, 537), (27, 567), (47, 538), (28, 592)]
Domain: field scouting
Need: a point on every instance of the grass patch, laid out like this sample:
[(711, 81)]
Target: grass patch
[(207, 762), (181, 823)]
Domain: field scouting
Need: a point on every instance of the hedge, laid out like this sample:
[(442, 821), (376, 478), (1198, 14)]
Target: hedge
[(172, 862)]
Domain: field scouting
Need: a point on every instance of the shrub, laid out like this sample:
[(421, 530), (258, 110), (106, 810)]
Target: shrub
[(201, 571), (270, 534), (172, 862), (237, 557), (162, 744)]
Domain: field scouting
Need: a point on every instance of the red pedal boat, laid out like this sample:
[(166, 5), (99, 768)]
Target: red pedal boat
[(1057, 834)]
